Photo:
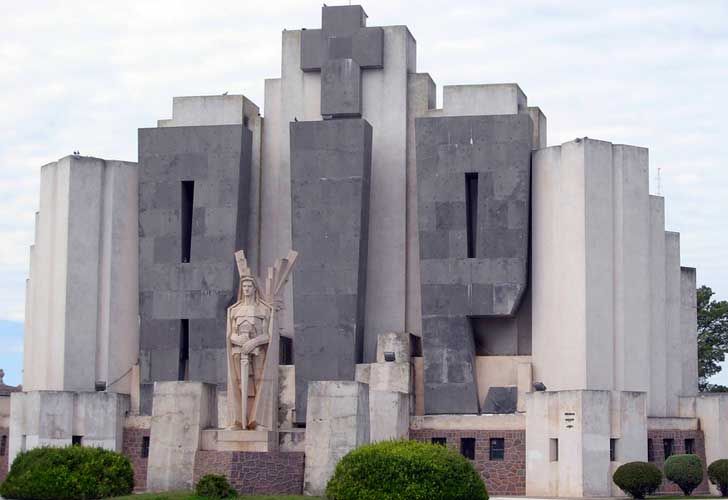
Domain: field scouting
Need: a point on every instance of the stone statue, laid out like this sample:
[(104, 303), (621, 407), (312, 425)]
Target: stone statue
[(252, 342)]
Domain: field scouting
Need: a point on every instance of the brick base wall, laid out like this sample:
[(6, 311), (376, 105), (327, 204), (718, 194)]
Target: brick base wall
[(269, 473), (132, 448), (4, 453), (501, 477), (678, 437)]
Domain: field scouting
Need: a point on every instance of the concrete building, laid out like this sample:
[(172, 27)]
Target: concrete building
[(457, 281)]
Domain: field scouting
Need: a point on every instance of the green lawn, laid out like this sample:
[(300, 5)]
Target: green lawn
[(188, 495)]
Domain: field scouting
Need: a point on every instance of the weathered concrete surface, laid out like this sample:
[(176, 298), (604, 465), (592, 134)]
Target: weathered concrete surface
[(689, 331), (658, 335), (52, 418), (390, 387), (330, 183), (218, 160), (453, 286), (629, 427), (181, 411), (336, 423), (81, 299)]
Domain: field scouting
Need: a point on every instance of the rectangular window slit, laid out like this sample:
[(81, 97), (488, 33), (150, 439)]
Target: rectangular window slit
[(650, 451), (467, 448), (188, 196), (667, 448), (497, 449), (184, 349), (612, 450), (3, 445), (553, 450), (689, 446), (471, 211), (145, 447)]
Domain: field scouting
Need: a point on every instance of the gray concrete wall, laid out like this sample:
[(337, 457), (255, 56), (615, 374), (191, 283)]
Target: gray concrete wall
[(330, 186), (658, 340), (689, 331), (218, 160), (453, 286)]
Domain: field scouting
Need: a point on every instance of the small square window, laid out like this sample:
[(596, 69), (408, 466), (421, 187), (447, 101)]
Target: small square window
[(612, 450), (440, 441), (554, 450), (76, 440), (689, 446), (467, 448), (650, 451), (667, 447), (145, 447), (497, 449)]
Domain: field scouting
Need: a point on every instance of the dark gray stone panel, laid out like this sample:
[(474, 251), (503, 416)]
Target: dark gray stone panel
[(456, 288), (341, 88), (330, 173), (217, 159), (501, 400)]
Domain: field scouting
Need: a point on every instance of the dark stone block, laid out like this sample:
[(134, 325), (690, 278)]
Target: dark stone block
[(498, 150), (501, 400), (217, 159), (341, 88), (330, 171)]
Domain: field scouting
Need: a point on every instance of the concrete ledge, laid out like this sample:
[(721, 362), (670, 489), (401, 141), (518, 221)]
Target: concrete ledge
[(672, 424), (510, 422)]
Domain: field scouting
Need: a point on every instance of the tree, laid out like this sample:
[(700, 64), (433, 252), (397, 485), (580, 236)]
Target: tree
[(712, 337)]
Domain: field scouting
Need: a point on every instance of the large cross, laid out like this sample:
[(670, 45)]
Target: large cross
[(340, 50)]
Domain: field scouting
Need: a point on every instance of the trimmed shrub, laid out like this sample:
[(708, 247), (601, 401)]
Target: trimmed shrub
[(637, 479), (404, 470), (214, 486), (69, 473), (718, 475), (684, 470)]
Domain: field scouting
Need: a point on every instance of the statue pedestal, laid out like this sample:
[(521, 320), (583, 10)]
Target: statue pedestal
[(239, 440)]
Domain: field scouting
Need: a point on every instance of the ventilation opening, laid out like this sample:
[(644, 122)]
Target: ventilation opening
[(553, 450), (76, 440), (188, 195), (145, 447), (184, 349), (471, 211), (440, 441), (467, 448)]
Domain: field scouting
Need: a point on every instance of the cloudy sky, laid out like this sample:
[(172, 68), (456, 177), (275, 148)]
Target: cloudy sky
[(86, 74)]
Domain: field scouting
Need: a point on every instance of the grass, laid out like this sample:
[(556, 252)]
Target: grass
[(188, 495)]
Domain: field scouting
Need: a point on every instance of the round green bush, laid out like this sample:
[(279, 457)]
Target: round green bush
[(405, 470), (214, 486), (637, 479), (684, 470), (718, 475), (68, 473)]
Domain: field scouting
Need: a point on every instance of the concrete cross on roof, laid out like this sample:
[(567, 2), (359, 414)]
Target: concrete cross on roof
[(340, 50)]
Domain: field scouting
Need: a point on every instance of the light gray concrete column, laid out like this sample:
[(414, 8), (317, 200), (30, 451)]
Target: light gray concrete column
[(658, 339), (629, 428), (689, 331), (180, 411), (673, 340)]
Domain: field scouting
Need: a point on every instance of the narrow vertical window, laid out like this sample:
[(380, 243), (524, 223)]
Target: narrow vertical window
[(612, 450), (650, 451), (184, 349), (145, 447), (467, 448), (497, 449), (3, 445), (188, 195), (440, 441), (471, 211), (667, 448), (553, 450), (689, 446)]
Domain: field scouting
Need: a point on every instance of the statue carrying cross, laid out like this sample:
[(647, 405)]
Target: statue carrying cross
[(340, 50)]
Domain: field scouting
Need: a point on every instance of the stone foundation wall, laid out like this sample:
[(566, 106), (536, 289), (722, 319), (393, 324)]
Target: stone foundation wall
[(501, 477), (254, 473), (4, 452), (132, 448), (678, 437)]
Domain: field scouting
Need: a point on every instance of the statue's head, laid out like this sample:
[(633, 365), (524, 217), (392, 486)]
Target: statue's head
[(248, 287)]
